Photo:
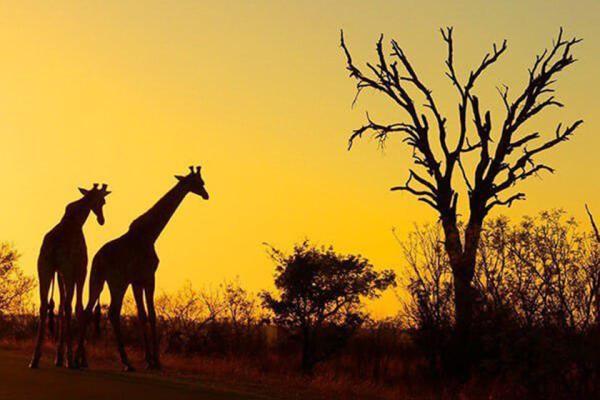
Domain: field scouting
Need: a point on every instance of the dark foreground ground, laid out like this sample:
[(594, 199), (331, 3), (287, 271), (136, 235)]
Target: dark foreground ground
[(17, 381)]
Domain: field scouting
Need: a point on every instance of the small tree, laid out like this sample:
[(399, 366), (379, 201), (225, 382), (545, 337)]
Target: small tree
[(320, 297), (240, 306), (428, 281), (186, 312), (506, 153), (15, 287)]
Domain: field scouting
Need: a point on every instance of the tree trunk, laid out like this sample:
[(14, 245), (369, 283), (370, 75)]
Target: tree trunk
[(308, 356), (462, 261), (461, 352), (464, 271), (463, 304)]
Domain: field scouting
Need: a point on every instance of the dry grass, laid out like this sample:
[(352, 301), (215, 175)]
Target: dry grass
[(246, 375)]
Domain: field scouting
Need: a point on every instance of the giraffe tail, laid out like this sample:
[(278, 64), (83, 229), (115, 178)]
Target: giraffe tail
[(51, 314), (97, 317)]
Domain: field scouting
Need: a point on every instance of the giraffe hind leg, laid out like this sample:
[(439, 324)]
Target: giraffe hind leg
[(79, 298), (45, 276), (59, 360), (67, 314), (114, 313), (149, 292), (138, 293), (95, 288)]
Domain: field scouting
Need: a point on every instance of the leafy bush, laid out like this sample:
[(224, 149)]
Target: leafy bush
[(320, 297)]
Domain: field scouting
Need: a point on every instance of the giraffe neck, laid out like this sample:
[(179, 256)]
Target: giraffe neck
[(76, 214), (150, 224)]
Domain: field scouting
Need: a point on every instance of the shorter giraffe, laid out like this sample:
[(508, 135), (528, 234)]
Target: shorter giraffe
[(131, 260), (64, 254)]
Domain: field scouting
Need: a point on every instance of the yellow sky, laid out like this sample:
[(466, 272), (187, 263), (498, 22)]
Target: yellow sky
[(256, 92)]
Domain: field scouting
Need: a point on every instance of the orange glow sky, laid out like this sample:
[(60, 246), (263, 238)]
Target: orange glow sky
[(256, 92)]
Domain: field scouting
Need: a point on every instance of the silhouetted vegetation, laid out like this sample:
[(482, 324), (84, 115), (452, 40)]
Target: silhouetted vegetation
[(16, 290), (500, 158), (15, 287), (320, 294), (536, 318), (536, 305)]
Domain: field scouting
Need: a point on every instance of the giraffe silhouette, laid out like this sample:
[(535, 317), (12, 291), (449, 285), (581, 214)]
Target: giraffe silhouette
[(131, 260), (64, 254)]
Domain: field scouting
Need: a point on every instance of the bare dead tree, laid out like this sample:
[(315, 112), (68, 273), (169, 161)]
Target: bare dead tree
[(506, 155)]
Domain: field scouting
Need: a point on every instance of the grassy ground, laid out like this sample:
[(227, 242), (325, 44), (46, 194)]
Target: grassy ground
[(48, 382), (182, 377)]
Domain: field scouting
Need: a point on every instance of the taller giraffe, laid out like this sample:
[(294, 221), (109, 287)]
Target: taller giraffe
[(131, 260), (64, 254)]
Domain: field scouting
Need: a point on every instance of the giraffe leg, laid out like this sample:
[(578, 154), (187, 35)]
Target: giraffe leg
[(60, 347), (96, 284), (114, 314), (45, 276), (68, 312), (52, 317), (56, 334), (138, 293), (79, 298), (149, 290)]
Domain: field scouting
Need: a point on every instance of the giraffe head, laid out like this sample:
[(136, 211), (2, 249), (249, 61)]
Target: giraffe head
[(193, 182), (94, 198)]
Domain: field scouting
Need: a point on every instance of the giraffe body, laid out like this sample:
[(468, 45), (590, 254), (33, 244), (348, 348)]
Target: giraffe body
[(131, 260), (64, 254)]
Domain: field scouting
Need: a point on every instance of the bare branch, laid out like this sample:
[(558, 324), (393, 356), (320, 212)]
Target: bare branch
[(465, 177), (523, 141), (594, 226), (447, 36), (387, 80), (488, 60), (428, 196), (541, 77), (508, 202), (518, 171), (414, 79), (465, 94), (382, 131), (529, 104)]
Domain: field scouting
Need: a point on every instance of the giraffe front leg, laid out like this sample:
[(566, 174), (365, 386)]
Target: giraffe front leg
[(68, 310), (45, 276), (96, 284), (60, 342), (115, 319), (60, 348), (80, 360), (37, 352), (152, 319)]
